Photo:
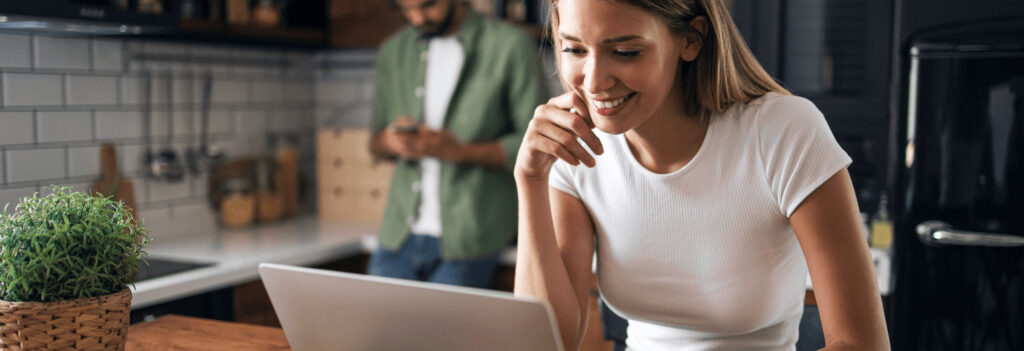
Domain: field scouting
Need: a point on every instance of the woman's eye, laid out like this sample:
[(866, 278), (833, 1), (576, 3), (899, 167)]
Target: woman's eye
[(573, 51), (627, 54)]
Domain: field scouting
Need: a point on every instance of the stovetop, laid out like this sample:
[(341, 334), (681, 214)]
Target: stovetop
[(159, 267)]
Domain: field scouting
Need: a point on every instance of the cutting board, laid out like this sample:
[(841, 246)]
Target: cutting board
[(111, 182)]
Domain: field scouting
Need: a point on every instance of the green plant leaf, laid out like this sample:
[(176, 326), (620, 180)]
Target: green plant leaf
[(68, 245)]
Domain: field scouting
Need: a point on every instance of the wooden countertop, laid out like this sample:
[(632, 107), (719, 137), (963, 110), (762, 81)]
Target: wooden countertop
[(180, 333)]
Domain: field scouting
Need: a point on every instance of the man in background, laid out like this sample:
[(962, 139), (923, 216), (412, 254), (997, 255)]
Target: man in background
[(455, 93)]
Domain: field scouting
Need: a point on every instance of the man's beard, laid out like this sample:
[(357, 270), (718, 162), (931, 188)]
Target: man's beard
[(429, 29)]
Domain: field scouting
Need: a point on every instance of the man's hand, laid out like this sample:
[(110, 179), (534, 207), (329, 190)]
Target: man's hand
[(405, 145), (440, 144)]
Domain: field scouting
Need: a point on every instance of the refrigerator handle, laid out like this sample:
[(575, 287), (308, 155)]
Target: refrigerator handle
[(941, 233)]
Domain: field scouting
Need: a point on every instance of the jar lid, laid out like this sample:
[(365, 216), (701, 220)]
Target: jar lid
[(237, 184)]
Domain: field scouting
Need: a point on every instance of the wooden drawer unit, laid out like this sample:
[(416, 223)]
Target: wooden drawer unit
[(337, 202), (352, 185), (343, 142), (356, 171)]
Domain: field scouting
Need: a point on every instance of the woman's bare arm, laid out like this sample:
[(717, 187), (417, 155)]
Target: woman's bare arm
[(827, 224), (556, 233), (555, 253)]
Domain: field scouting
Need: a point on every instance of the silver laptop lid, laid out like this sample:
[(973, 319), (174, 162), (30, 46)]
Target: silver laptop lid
[(327, 310)]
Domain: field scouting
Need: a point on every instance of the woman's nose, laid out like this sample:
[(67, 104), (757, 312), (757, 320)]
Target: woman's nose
[(595, 77)]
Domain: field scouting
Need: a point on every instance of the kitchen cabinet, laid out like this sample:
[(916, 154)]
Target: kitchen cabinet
[(252, 304), (84, 17), (194, 29), (361, 23), (367, 23), (244, 302), (301, 23), (215, 304)]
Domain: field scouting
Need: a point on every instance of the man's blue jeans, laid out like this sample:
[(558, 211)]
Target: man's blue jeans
[(419, 258)]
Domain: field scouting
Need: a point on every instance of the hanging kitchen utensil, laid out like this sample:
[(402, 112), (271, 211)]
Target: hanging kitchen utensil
[(112, 182), (206, 157), (192, 151), (147, 122), (165, 165)]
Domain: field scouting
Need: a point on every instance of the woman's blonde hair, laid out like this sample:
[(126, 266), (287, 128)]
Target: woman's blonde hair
[(725, 71)]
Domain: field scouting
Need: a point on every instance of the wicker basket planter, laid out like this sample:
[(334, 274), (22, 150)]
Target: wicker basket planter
[(95, 323)]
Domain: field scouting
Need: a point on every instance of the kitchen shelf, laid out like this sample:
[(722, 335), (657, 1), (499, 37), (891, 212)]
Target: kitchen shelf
[(210, 29)]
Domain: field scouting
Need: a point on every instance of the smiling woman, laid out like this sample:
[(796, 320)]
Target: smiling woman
[(709, 191)]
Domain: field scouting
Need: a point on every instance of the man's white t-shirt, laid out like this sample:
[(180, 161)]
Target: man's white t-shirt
[(704, 257), (444, 63)]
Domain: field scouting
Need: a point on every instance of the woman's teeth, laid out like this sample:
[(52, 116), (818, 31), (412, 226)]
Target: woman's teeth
[(610, 104)]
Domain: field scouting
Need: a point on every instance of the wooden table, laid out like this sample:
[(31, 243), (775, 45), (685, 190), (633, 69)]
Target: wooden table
[(181, 333)]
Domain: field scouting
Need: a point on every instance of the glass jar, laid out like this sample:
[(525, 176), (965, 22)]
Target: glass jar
[(238, 207)]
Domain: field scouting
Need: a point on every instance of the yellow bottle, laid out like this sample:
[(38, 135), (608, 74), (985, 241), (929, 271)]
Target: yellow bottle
[(881, 227)]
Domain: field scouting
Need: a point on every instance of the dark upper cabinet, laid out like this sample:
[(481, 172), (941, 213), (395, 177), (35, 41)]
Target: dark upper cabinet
[(837, 54)]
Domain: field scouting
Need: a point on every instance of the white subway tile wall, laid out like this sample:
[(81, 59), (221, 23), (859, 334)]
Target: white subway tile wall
[(230, 92), (267, 92), (194, 216), (250, 122), (16, 52), (163, 191), (16, 128), (107, 54), (35, 164), (64, 126), (62, 52), (119, 124), (183, 122), (91, 90), (130, 158), (157, 217), (220, 122), (62, 98), (345, 88), (22, 89), (83, 161), (158, 126), (131, 90)]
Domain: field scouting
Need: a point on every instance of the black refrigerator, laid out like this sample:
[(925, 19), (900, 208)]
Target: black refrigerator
[(957, 180)]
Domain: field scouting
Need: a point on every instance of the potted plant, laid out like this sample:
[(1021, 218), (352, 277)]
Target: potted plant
[(65, 262)]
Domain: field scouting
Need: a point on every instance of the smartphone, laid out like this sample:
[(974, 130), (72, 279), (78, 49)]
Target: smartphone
[(404, 124)]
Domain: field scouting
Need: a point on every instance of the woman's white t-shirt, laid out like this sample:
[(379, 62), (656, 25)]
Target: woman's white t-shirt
[(704, 257)]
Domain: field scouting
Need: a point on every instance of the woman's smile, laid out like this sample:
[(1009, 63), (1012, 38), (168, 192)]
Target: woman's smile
[(608, 107)]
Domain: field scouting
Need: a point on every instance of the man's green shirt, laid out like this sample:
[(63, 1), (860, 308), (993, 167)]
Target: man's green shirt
[(497, 91)]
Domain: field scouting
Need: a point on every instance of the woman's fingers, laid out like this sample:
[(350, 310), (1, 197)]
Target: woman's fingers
[(555, 148), (568, 141), (580, 108), (574, 104), (575, 124)]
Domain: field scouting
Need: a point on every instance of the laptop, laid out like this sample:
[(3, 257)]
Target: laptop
[(328, 310)]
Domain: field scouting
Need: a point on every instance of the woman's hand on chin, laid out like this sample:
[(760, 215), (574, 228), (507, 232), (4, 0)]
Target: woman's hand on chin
[(553, 134)]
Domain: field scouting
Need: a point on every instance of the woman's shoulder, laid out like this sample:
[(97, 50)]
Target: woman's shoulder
[(775, 107), (773, 116), (769, 111)]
